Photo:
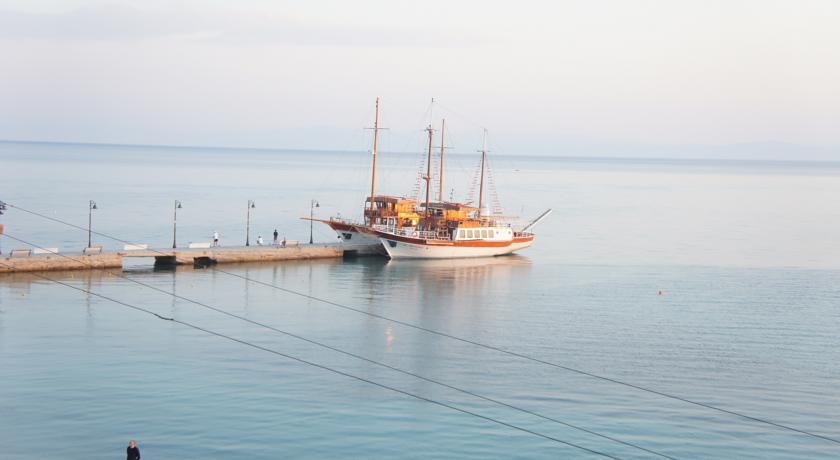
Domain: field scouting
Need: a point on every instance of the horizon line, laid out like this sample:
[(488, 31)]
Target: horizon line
[(287, 149)]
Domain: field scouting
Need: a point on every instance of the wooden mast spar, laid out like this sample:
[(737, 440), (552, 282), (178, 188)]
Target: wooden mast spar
[(429, 170), (481, 183), (373, 173), (442, 132)]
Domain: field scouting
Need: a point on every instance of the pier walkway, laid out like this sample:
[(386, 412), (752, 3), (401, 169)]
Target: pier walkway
[(197, 257)]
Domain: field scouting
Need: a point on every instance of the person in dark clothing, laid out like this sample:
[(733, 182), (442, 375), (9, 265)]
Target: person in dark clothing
[(275, 236), (132, 452)]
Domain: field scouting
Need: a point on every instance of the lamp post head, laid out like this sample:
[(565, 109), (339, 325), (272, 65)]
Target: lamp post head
[(251, 204), (177, 204), (317, 205), (93, 205)]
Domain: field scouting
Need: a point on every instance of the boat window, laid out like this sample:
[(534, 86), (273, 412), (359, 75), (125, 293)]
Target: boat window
[(484, 233), (469, 233)]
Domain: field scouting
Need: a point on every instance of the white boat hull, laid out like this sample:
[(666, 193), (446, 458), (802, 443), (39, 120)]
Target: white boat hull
[(354, 237), (368, 244), (405, 250)]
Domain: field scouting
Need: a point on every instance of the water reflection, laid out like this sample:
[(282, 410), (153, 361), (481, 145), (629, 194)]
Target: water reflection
[(376, 277), (85, 279), (458, 272), (434, 282), (456, 295)]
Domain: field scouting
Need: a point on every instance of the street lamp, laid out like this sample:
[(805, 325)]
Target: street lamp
[(175, 222), (312, 205), (91, 207), (248, 223), (2, 208)]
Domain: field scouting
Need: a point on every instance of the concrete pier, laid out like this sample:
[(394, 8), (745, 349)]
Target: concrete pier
[(195, 257)]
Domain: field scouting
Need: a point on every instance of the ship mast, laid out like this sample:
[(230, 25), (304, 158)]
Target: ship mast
[(429, 169), (373, 173), (442, 132), (481, 183)]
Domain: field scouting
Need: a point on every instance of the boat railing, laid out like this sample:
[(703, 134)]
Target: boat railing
[(410, 232), (426, 235)]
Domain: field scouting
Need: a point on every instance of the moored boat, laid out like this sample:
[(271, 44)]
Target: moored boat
[(386, 211), (462, 237), (407, 228), (378, 209), (447, 230)]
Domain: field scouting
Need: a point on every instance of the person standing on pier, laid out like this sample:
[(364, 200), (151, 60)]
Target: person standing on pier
[(275, 236), (132, 452), (215, 238)]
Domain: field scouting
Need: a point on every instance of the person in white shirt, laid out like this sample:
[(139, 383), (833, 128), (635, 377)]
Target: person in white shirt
[(215, 238), (259, 240)]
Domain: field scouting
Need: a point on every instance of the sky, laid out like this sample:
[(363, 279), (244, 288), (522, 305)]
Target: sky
[(735, 78)]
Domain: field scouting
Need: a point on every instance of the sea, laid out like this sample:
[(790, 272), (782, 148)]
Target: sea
[(686, 308)]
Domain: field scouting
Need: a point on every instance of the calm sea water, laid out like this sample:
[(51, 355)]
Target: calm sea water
[(746, 255)]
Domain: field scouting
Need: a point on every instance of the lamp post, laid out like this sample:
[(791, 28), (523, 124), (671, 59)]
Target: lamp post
[(91, 207), (248, 223), (175, 222), (312, 205), (2, 208)]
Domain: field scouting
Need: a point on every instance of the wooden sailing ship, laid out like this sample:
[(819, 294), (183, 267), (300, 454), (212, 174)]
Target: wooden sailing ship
[(378, 209), (407, 228)]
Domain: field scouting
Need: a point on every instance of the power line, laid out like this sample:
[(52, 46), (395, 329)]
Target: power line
[(537, 360), (326, 368), (347, 353), (485, 346)]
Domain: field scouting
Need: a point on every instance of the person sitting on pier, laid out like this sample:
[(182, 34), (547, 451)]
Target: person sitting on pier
[(215, 238), (259, 240)]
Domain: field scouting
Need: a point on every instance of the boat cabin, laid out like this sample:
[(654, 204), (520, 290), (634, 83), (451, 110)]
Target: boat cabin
[(495, 233), (392, 211)]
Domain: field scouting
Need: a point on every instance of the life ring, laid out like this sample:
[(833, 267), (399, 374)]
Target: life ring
[(414, 234)]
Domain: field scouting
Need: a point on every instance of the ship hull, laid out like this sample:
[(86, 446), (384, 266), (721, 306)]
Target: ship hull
[(349, 234), (403, 248)]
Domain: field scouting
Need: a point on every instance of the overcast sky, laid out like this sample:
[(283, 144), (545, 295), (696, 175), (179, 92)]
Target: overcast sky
[(697, 78)]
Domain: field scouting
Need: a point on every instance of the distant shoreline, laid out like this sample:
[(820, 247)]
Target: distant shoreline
[(592, 158)]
